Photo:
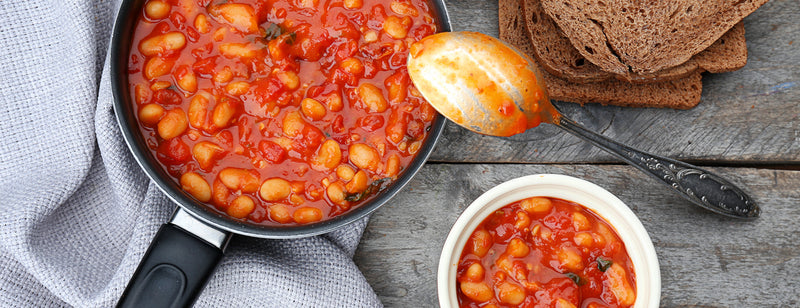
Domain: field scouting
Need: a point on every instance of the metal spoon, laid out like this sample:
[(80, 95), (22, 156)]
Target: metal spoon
[(489, 87)]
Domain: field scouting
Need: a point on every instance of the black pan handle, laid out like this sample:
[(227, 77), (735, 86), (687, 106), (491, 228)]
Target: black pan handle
[(180, 260)]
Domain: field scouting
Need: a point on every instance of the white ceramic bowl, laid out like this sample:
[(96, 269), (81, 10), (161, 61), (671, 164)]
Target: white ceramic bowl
[(617, 214)]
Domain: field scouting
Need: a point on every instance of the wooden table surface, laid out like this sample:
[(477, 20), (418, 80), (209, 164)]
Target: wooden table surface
[(746, 128)]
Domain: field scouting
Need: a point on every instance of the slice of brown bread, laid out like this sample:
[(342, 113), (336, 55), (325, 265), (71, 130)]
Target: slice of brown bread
[(643, 37), (735, 51), (555, 53), (679, 94)]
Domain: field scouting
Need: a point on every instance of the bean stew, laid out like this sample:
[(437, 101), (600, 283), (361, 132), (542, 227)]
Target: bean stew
[(280, 112), (545, 252)]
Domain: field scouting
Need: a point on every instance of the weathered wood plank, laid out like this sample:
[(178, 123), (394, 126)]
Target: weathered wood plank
[(747, 116), (706, 260)]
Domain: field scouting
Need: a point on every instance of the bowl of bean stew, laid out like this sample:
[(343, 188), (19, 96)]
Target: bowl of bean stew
[(548, 241), (267, 118)]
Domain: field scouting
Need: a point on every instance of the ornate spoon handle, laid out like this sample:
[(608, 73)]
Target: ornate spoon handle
[(699, 186)]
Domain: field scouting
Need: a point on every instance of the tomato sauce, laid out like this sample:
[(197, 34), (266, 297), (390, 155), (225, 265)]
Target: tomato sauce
[(280, 112), (545, 252)]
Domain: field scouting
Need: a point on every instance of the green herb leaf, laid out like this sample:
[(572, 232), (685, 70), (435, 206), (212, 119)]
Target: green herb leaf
[(373, 187), (273, 32), (603, 264), (292, 38), (575, 278)]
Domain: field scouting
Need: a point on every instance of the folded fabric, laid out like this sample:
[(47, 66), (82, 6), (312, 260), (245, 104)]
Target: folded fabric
[(77, 214)]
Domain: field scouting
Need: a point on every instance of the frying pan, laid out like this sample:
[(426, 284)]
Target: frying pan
[(187, 249)]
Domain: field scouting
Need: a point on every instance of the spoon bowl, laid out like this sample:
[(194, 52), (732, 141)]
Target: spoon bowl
[(489, 87), (465, 76)]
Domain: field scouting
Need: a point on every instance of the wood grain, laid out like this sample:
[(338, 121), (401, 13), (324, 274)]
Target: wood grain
[(745, 117), (706, 260)]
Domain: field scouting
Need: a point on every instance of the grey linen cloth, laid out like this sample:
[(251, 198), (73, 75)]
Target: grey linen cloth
[(77, 214)]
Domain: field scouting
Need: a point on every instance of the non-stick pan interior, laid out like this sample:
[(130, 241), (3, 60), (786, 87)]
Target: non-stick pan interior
[(123, 107)]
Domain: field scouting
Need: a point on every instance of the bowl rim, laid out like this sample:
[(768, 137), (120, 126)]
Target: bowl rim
[(589, 195)]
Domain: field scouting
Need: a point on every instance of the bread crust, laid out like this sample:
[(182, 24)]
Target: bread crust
[(556, 54), (643, 37), (682, 93)]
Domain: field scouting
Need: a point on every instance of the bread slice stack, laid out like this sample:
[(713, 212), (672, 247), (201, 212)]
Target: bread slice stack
[(628, 53)]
